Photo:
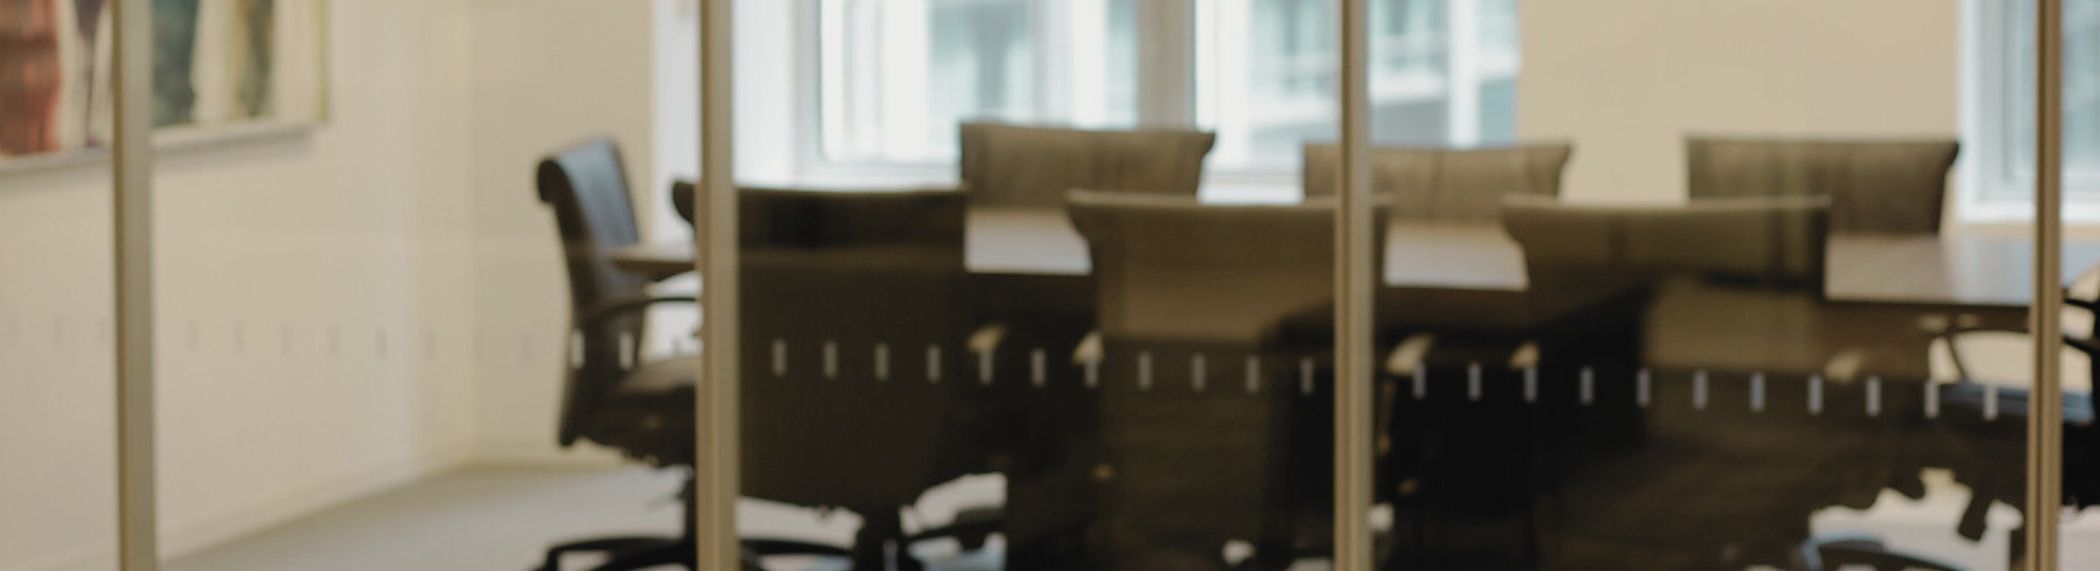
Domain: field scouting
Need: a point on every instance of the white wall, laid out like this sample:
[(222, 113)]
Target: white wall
[(1626, 79), (316, 309)]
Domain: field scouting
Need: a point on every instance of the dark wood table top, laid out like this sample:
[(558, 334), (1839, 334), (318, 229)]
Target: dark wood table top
[(1982, 270)]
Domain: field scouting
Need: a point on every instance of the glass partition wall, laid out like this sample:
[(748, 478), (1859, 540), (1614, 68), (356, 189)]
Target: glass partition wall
[(1065, 357), (1173, 284), (1714, 307), (1705, 307), (58, 445)]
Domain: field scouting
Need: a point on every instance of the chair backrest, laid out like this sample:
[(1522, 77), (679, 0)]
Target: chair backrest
[(587, 187), (1773, 241), (813, 217), (852, 272), (1431, 184), (1171, 270), (1032, 167), (1875, 186)]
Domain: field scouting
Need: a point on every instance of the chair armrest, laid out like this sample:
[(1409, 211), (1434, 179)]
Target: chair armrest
[(987, 338), (1845, 365), (1525, 356), (1410, 355), (2085, 304), (2088, 346), (598, 313), (1089, 349)]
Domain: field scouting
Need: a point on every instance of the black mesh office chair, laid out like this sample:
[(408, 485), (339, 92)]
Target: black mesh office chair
[(1874, 186), (1969, 360), (1031, 167), (1769, 244), (859, 391), (1445, 185), (612, 396), (1186, 458)]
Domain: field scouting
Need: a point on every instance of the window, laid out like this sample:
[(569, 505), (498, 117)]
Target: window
[(1442, 72), (897, 76), (2001, 132)]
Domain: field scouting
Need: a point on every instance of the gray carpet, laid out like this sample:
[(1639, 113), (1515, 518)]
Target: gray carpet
[(500, 519)]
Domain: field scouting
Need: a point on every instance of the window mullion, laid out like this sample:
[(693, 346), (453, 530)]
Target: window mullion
[(1462, 72), (903, 93), (1166, 63)]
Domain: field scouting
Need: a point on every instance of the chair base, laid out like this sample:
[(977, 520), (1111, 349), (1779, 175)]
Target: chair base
[(628, 553), (880, 542), (615, 548), (973, 527), (1836, 551)]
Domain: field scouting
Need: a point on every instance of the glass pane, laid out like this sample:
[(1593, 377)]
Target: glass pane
[(1067, 360), (57, 331), (57, 382), (2013, 115), (57, 324), (2081, 76), (1703, 309), (1442, 72), (897, 77), (390, 330)]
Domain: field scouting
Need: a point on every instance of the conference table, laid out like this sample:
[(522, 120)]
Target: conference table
[(1983, 270), (1470, 277)]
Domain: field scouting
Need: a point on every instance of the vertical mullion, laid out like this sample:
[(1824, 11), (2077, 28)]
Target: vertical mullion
[(137, 541), (1462, 72), (1050, 30), (717, 466), (1353, 283), (1166, 63), (1232, 77), (2045, 415), (1075, 90), (905, 37)]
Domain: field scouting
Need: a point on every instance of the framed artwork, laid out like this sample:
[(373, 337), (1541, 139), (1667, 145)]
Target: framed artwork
[(221, 68)]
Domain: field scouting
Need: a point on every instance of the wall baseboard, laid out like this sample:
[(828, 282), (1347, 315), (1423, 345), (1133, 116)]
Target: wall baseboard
[(196, 533)]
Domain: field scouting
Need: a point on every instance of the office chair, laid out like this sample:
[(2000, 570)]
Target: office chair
[(1184, 458), (831, 279), (1968, 360), (1017, 166), (612, 396), (860, 390), (1876, 186), (1964, 354), (1767, 242), (1446, 185)]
